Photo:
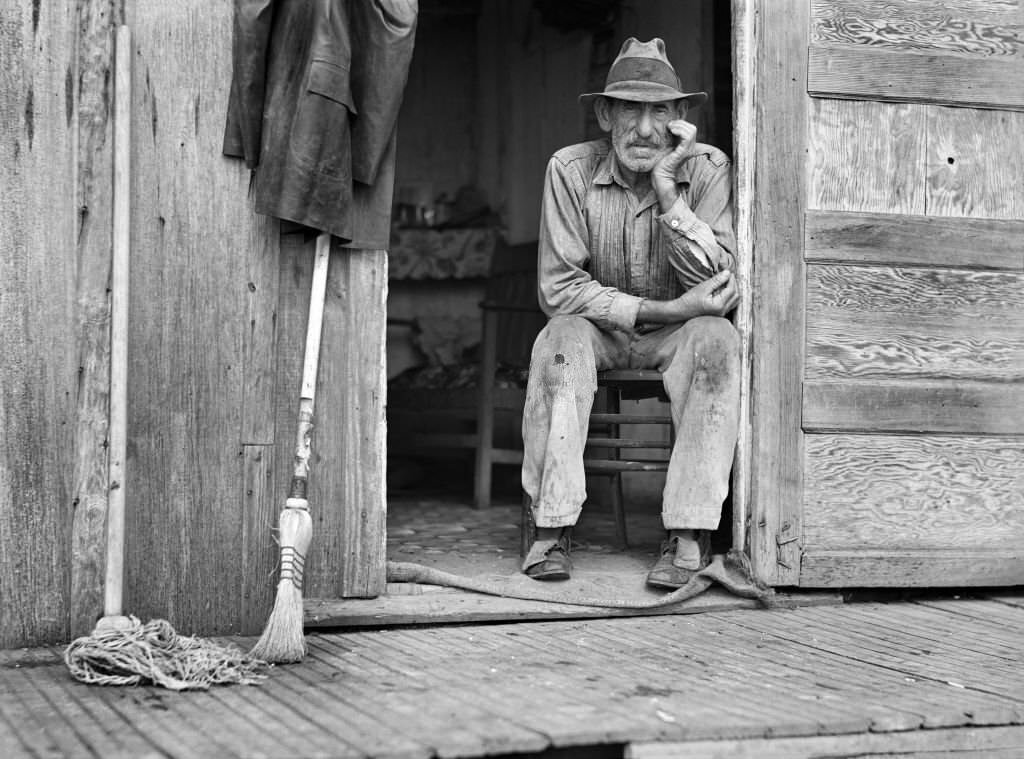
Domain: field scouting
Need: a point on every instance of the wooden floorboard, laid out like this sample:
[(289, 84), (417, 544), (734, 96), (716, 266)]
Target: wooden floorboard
[(871, 677)]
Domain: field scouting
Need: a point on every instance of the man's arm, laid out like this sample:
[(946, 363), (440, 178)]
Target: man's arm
[(701, 237), (564, 287), (715, 296)]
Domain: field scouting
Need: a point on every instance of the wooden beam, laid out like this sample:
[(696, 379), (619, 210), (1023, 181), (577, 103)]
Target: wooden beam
[(936, 406), (957, 742), (913, 240), (868, 568), (849, 71), (778, 279)]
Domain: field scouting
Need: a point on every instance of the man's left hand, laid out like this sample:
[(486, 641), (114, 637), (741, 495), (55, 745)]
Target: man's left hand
[(663, 175)]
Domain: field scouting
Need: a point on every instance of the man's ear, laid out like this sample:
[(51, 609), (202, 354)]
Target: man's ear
[(603, 111), (684, 106)]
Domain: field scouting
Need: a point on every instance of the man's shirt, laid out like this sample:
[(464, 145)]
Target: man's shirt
[(602, 250)]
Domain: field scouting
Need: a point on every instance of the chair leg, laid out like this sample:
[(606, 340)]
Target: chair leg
[(618, 510), (485, 413)]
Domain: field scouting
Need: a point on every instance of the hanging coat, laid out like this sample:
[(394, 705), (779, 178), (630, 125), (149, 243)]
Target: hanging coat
[(315, 95)]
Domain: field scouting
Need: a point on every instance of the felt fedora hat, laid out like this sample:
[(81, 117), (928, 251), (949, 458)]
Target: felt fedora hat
[(641, 72)]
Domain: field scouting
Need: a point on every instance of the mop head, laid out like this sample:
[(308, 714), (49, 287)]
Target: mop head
[(153, 654)]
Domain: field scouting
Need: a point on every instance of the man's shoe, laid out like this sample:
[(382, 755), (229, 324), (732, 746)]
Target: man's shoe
[(665, 573), (549, 559)]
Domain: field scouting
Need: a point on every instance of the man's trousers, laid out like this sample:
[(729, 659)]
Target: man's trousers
[(699, 362)]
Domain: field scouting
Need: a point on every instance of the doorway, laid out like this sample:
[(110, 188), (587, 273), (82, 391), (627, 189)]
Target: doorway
[(492, 95)]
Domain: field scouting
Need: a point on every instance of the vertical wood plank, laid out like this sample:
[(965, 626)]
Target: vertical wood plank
[(196, 247), (778, 212), (975, 161), (93, 183), (866, 156), (349, 442), (259, 550), (744, 139), (347, 471), (38, 369)]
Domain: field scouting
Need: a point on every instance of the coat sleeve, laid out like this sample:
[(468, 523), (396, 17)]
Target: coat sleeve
[(253, 19), (383, 33)]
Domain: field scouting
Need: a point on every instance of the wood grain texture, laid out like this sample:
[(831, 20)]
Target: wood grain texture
[(875, 322), (897, 491), (38, 320), (953, 743), (863, 568), (878, 74), (193, 236), (744, 140), (908, 240), (921, 406), (866, 156), (259, 552), (981, 29), (346, 481), (93, 195), (975, 162), (778, 211)]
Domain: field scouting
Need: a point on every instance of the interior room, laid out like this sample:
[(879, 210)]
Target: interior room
[(492, 93)]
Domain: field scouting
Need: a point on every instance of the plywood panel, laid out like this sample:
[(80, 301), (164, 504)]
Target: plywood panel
[(980, 28), (195, 354), (904, 240), (926, 323), (778, 211), (975, 162), (866, 156), (911, 569), (948, 407), (898, 491), (38, 368), (878, 74)]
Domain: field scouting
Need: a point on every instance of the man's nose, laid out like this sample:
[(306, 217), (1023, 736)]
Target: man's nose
[(645, 123)]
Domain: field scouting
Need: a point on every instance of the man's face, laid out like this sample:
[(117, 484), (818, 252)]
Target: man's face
[(639, 131)]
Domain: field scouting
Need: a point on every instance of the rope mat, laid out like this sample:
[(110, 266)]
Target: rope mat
[(153, 653)]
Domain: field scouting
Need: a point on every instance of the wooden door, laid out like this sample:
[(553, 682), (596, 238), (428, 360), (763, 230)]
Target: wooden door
[(888, 319)]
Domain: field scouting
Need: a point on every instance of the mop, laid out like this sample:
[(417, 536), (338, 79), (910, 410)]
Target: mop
[(122, 650)]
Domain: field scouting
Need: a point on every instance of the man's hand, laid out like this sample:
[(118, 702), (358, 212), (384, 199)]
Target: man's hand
[(716, 296), (663, 175)]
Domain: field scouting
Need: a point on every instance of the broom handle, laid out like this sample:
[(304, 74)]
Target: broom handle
[(118, 436), (311, 361)]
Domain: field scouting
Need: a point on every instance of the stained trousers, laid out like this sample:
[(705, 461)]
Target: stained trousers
[(699, 362)]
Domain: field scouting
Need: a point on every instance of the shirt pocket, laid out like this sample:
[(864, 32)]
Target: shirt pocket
[(320, 138)]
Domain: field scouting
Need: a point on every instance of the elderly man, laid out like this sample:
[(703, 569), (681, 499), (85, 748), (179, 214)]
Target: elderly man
[(635, 260)]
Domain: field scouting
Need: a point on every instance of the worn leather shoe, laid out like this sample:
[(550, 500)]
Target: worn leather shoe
[(549, 560), (666, 573)]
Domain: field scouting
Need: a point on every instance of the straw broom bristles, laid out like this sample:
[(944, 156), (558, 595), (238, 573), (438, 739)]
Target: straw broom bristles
[(282, 640)]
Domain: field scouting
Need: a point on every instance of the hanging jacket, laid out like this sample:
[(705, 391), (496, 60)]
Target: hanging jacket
[(315, 95)]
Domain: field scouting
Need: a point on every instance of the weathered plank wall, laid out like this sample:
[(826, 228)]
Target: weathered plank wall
[(914, 346), (39, 258)]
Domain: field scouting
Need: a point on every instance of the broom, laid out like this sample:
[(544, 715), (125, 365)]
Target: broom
[(282, 640), (121, 650)]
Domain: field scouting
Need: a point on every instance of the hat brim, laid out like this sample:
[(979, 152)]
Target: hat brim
[(646, 92)]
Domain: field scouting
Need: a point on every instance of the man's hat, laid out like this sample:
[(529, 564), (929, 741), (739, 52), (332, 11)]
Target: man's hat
[(641, 72)]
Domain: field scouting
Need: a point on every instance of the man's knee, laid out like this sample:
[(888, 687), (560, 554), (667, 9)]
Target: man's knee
[(716, 352), (562, 352), (715, 333)]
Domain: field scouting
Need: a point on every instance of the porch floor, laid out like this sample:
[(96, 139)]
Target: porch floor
[(937, 674)]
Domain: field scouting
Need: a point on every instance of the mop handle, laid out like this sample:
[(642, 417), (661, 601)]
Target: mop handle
[(118, 436), (300, 475)]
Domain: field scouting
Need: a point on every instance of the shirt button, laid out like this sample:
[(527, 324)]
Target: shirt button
[(674, 223)]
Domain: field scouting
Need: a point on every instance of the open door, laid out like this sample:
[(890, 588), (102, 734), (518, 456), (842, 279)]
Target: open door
[(887, 438)]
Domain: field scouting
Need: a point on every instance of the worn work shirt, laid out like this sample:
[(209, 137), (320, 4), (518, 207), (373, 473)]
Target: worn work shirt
[(603, 250)]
